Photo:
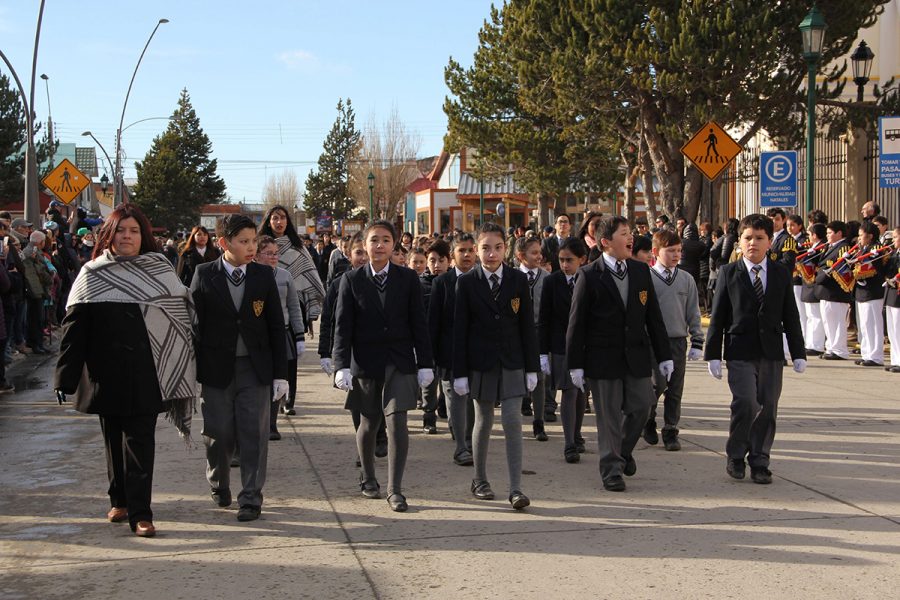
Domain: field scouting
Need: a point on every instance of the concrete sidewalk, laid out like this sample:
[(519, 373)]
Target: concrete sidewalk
[(829, 526)]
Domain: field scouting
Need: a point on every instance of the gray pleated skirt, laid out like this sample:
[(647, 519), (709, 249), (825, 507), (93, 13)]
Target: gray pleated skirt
[(559, 372), (497, 384), (395, 393)]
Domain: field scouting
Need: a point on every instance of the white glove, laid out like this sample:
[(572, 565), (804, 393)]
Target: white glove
[(545, 364), (327, 366), (715, 368), (695, 354), (577, 376), (461, 386), (799, 365), (343, 380), (280, 389), (425, 377), (301, 347), (667, 367), (530, 381)]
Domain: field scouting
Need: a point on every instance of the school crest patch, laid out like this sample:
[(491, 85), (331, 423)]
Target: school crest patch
[(515, 303), (773, 256), (258, 306), (643, 297)]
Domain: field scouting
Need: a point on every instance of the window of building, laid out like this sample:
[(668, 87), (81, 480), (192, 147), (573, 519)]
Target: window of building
[(453, 172)]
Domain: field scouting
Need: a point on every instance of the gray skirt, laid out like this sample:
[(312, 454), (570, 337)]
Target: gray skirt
[(395, 393), (497, 384), (559, 373)]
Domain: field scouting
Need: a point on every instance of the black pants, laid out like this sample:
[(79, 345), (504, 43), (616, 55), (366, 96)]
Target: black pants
[(292, 384), (130, 448), (34, 332)]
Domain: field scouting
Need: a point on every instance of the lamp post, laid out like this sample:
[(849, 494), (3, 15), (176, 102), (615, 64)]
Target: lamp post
[(812, 30), (117, 173), (371, 179), (104, 183), (861, 59), (49, 119)]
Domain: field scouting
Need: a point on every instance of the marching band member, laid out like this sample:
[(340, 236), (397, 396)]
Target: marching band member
[(807, 267), (892, 303), (868, 292), (833, 292)]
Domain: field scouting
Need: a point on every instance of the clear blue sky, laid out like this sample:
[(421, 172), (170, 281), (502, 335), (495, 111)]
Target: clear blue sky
[(264, 76)]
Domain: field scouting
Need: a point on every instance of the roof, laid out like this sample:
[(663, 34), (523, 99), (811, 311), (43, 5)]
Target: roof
[(86, 161), (504, 186), (439, 165), (421, 183)]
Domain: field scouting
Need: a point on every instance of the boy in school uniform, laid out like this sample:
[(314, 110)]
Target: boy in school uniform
[(241, 358), (680, 307), (381, 347), (461, 411), (495, 355), (614, 321), (834, 300), (436, 260), (753, 306), (528, 253)]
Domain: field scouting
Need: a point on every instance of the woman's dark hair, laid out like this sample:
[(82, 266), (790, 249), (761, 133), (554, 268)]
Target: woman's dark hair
[(796, 220), (575, 246), (289, 231), (189, 244), (383, 224), (583, 230), (818, 230), (125, 211), (641, 242), (731, 226)]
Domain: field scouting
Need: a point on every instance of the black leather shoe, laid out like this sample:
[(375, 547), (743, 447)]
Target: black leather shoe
[(630, 466), (381, 449), (274, 436), (550, 417), (397, 502), (539, 433), (527, 412), (614, 484), (760, 475), (858, 361), (571, 454), (519, 500), (248, 513), (811, 352), (463, 458), (222, 498), (736, 468), (369, 487), (671, 442), (482, 490), (833, 357), (895, 369), (290, 412), (650, 434), (579, 444), (429, 429), (870, 363)]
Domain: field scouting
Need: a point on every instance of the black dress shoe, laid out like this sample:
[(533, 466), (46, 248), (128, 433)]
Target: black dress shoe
[(833, 357), (397, 502), (811, 352), (274, 436), (463, 458), (614, 484), (895, 369), (222, 498), (858, 361), (429, 429), (519, 500), (550, 417), (650, 434), (381, 449), (248, 512), (671, 443), (539, 433), (369, 487), (760, 475), (736, 468), (870, 363), (290, 412), (527, 412), (571, 454), (482, 490), (630, 466), (580, 444)]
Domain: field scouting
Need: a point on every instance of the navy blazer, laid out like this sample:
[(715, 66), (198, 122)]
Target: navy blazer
[(826, 288), (488, 332), (368, 336), (608, 338), (260, 322), (440, 318), (752, 330), (556, 302)]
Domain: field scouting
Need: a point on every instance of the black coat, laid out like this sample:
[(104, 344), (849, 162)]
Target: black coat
[(440, 318), (784, 250), (259, 321), (826, 287), (189, 261), (752, 330), (797, 280), (326, 319), (607, 338), (556, 302), (108, 342), (368, 336), (891, 295), (692, 253), (871, 288), (486, 332), (550, 248)]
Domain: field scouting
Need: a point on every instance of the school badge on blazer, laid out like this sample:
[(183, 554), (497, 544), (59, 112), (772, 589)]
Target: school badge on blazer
[(773, 256), (643, 297), (515, 303), (258, 306)]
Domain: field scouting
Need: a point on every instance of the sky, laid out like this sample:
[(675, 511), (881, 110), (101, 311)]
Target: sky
[(264, 76)]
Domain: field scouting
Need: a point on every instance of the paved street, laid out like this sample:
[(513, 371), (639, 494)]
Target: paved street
[(828, 527)]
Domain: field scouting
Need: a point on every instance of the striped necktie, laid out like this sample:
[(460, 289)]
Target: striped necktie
[(757, 283), (237, 276), (495, 286), (668, 273), (380, 281), (571, 284), (531, 278)]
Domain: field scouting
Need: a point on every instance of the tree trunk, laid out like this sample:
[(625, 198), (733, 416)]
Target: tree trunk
[(646, 165), (669, 166), (631, 176), (692, 193)]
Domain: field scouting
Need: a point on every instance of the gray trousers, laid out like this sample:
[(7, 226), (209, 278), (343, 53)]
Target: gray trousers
[(238, 414), (622, 406), (538, 396), (673, 389), (461, 411), (755, 390)]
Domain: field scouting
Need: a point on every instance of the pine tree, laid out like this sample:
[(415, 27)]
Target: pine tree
[(328, 188), (13, 136), (177, 176)]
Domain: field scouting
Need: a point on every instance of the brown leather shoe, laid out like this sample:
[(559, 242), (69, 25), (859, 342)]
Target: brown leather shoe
[(117, 515), (144, 529)]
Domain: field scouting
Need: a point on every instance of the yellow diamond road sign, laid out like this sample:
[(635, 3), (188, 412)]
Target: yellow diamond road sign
[(711, 150), (66, 181)]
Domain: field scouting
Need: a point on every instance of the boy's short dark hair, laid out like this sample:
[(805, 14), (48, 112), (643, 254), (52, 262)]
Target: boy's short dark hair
[(818, 230), (665, 238), (642, 243), (231, 225), (796, 219), (489, 228), (574, 245), (870, 228), (609, 225), (523, 242), (776, 211), (382, 223), (441, 248), (837, 226), (880, 220), (757, 221), (462, 238), (817, 216), (419, 250)]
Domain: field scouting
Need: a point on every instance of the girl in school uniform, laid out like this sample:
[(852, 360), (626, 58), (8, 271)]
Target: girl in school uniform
[(495, 355), (556, 301), (381, 346)]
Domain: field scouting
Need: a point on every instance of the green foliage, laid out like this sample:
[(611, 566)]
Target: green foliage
[(328, 187), (13, 137), (177, 176)]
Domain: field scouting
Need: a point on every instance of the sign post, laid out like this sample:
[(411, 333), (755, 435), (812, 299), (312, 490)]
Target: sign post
[(66, 181), (778, 184), (889, 152)]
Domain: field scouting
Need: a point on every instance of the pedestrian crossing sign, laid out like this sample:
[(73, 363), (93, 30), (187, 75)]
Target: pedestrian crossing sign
[(66, 181), (711, 150)]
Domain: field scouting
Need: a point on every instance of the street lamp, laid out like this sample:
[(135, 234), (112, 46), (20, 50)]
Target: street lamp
[(371, 179), (861, 59), (49, 119), (117, 174), (104, 183), (812, 30), (105, 153)]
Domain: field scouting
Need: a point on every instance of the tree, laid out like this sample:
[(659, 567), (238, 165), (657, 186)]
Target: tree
[(13, 138), (328, 188), (281, 189), (388, 152), (177, 176)]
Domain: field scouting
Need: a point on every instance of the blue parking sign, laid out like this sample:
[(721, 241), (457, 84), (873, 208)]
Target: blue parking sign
[(778, 179), (889, 152)]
